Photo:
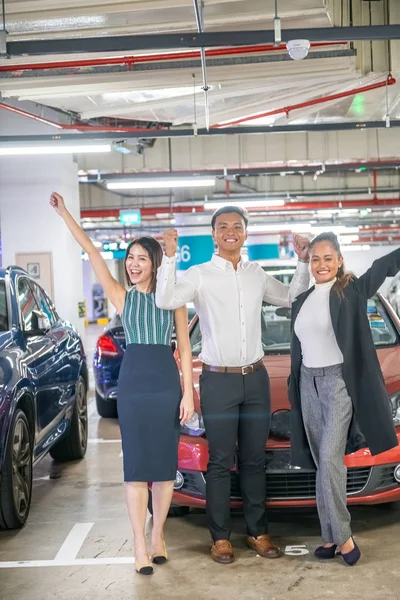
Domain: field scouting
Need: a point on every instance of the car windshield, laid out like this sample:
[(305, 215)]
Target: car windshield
[(275, 328), (3, 307)]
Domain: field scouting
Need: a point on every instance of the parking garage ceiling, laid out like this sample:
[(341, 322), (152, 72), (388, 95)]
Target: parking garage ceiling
[(135, 72)]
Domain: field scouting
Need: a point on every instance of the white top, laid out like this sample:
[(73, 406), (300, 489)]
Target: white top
[(314, 329), (228, 303)]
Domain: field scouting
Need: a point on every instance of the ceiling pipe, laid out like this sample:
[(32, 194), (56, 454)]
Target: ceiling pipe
[(151, 211), (152, 58), (270, 169), (24, 113), (287, 109), (199, 22), (249, 59), (316, 101)]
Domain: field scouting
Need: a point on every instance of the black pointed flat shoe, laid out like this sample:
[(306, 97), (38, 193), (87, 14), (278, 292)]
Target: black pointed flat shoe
[(352, 557)]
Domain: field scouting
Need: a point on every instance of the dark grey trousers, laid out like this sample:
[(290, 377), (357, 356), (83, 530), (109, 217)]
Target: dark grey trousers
[(327, 411), (236, 409)]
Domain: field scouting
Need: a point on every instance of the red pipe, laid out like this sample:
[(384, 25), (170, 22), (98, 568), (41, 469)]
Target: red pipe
[(63, 127), (375, 179), (381, 238), (149, 58), (151, 211), (288, 109), (23, 113)]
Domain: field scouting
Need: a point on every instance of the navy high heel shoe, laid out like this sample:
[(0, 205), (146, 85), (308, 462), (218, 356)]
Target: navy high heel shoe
[(352, 557), (325, 553)]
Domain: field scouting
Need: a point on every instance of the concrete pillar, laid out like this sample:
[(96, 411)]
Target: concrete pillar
[(33, 234)]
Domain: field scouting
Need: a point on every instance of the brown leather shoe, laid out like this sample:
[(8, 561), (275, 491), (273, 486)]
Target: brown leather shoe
[(222, 552), (264, 546)]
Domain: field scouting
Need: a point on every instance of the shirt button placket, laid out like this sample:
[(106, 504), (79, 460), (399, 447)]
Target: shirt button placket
[(242, 324)]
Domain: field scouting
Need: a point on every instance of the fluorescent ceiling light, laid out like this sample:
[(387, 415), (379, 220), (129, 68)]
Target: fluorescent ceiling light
[(244, 204), (53, 149), (142, 184)]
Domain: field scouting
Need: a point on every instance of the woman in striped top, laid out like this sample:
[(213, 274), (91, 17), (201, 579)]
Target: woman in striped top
[(151, 407)]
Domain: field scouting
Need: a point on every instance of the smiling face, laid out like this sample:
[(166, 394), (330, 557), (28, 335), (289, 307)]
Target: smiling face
[(325, 262), (229, 233), (139, 266)]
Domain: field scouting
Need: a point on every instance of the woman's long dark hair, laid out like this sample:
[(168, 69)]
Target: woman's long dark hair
[(155, 253), (343, 278)]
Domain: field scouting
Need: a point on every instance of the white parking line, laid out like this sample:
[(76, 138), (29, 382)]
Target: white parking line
[(70, 548), (77, 562), (66, 556)]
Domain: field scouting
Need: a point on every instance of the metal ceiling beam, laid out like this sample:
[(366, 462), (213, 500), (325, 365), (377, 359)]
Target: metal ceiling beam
[(128, 43), (253, 171), (188, 132)]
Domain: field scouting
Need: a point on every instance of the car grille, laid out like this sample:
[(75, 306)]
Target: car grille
[(386, 478), (191, 485), (300, 485)]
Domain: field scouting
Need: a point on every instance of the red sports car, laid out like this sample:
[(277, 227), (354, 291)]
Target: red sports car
[(370, 480)]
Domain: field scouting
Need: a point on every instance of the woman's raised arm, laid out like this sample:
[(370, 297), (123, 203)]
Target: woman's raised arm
[(114, 291)]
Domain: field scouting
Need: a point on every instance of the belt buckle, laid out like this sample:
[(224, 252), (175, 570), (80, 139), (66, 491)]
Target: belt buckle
[(247, 370)]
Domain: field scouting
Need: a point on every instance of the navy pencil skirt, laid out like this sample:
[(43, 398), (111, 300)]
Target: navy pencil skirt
[(149, 395)]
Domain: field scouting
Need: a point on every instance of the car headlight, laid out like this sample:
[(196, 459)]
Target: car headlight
[(195, 425), (395, 406)]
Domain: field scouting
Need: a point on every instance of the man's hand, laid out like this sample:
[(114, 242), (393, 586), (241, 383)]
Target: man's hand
[(170, 238), (302, 247)]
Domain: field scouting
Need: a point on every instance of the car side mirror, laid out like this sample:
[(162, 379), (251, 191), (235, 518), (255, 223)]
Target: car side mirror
[(283, 311), (40, 323)]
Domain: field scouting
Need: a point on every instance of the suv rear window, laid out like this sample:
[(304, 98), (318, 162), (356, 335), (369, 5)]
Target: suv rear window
[(3, 307)]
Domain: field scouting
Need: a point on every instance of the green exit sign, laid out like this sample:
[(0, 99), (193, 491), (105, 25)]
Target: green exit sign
[(130, 217)]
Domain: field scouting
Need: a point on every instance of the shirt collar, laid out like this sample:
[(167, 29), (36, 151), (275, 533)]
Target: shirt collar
[(225, 265)]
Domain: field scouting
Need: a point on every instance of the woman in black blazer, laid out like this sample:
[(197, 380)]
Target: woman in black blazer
[(336, 387)]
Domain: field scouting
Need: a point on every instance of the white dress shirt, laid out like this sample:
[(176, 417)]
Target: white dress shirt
[(228, 303), (314, 329)]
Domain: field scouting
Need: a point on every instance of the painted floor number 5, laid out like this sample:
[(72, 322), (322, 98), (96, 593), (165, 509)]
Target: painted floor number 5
[(296, 550)]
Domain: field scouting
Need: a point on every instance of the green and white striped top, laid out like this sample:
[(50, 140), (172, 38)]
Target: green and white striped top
[(144, 322)]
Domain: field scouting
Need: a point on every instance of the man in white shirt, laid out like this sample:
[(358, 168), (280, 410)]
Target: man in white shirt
[(234, 385)]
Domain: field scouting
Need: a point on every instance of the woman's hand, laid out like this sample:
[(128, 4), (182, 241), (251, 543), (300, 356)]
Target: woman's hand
[(57, 202), (186, 408)]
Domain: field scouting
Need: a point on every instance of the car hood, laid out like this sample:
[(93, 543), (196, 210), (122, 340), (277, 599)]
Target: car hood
[(278, 367)]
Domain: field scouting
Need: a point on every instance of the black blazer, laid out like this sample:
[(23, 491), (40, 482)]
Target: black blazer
[(372, 424)]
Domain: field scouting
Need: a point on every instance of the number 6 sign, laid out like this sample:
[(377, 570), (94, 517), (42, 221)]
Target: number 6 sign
[(184, 254)]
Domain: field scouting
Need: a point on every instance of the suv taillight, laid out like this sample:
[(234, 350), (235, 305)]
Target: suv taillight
[(106, 347)]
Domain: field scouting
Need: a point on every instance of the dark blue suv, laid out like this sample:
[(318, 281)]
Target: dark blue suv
[(43, 390)]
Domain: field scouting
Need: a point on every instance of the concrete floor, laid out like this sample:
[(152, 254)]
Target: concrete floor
[(78, 545)]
